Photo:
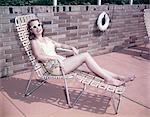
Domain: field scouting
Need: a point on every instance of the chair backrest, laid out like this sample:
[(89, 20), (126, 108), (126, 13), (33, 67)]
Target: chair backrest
[(147, 21), (21, 26)]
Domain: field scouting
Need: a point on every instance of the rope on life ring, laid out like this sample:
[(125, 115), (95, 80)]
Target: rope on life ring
[(103, 21)]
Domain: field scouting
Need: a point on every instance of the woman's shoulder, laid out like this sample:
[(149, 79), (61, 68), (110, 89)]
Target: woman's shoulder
[(34, 41), (49, 39)]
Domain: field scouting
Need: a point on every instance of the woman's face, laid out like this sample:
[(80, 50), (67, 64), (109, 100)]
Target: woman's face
[(36, 28)]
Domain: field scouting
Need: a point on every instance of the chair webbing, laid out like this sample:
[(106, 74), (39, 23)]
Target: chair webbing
[(98, 82), (21, 26)]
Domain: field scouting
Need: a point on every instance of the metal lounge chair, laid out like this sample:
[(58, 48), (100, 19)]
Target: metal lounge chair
[(43, 75)]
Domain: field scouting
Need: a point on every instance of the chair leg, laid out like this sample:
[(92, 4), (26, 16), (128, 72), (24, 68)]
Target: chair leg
[(67, 91), (66, 88), (116, 107), (80, 94), (27, 91), (29, 82)]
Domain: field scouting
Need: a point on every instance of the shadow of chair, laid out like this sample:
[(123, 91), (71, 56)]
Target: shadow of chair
[(50, 93), (134, 51)]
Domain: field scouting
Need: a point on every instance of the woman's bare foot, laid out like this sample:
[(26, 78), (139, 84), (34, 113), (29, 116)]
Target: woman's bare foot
[(126, 79), (116, 82), (131, 78)]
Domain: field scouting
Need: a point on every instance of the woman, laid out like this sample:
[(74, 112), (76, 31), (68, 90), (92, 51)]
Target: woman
[(44, 50)]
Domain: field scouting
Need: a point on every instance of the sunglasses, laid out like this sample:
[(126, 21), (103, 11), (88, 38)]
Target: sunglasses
[(34, 26)]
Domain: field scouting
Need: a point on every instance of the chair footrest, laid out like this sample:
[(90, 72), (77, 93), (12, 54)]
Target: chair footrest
[(98, 82)]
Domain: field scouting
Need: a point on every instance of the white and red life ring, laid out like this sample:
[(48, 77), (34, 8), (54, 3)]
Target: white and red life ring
[(103, 21)]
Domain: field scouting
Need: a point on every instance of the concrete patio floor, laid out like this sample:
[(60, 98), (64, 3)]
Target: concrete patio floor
[(49, 100)]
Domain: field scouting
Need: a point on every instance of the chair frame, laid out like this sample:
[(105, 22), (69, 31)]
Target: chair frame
[(43, 75)]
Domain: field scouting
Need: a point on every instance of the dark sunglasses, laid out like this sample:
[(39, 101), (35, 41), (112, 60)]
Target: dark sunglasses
[(34, 26)]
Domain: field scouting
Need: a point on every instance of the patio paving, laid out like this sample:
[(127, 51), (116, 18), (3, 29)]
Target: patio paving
[(49, 100)]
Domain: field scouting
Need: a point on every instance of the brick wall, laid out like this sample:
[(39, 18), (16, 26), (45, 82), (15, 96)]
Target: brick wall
[(74, 25)]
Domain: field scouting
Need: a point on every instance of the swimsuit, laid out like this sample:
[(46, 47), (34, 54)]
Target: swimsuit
[(52, 66)]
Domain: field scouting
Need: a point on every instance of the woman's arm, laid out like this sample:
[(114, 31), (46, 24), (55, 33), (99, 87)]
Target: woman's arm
[(60, 45), (65, 46)]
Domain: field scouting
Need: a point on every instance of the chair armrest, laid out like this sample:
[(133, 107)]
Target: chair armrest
[(64, 50)]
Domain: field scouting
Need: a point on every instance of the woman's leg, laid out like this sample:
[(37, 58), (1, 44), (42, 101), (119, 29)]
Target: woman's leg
[(120, 77), (116, 76), (84, 68), (74, 62)]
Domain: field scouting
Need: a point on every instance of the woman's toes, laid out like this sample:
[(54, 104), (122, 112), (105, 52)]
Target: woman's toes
[(131, 78), (116, 82)]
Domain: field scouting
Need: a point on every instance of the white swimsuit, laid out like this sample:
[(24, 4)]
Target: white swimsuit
[(49, 49)]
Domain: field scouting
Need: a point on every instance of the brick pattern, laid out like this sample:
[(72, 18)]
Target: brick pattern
[(74, 25)]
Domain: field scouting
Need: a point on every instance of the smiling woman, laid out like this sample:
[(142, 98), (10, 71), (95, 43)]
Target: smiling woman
[(44, 50)]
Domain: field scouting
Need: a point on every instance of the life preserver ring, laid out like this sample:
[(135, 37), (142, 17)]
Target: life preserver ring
[(103, 21)]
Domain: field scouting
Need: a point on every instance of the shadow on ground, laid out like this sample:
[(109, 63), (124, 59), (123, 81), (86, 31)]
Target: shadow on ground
[(54, 94), (136, 51)]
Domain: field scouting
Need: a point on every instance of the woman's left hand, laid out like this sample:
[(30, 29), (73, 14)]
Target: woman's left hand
[(75, 51)]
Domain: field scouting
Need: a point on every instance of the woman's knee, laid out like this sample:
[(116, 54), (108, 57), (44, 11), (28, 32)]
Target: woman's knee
[(86, 55)]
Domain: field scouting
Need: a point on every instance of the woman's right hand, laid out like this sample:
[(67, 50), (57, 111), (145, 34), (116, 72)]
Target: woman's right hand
[(75, 51), (60, 63)]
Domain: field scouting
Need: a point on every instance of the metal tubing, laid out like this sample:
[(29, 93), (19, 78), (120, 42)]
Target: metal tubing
[(131, 2), (54, 2), (99, 2), (66, 88), (29, 81), (117, 109), (113, 102), (80, 94), (34, 88), (27, 91)]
